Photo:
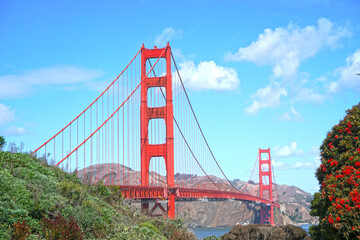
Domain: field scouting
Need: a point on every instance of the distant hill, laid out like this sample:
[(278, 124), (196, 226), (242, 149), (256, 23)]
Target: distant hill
[(295, 203)]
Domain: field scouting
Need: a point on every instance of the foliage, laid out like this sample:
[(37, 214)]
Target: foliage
[(31, 190), (338, 202), (2, 142), (60, 228), (20, 231)]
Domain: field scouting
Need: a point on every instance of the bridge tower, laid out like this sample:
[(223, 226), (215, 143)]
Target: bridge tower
[(265, 184), (165, 150)]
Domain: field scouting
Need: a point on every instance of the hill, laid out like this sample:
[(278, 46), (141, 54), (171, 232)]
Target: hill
[(47, 201), (295, 203)]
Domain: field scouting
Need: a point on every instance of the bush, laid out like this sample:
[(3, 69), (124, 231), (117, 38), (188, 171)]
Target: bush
[(60, 228), (20, 231), (338, 202)]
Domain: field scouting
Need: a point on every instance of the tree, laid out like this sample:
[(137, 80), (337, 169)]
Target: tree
[(338, 203), (2, 142)]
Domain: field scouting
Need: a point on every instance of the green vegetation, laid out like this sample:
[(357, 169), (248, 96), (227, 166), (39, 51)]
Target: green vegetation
[(338, 203), (2, 142), (38, 201)]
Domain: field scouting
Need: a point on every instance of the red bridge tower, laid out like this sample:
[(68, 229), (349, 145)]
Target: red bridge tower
[(265, 184), (165, 150)]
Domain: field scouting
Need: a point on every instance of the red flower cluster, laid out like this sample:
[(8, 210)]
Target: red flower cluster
[(323, 168), (348, 170), (348, 128)]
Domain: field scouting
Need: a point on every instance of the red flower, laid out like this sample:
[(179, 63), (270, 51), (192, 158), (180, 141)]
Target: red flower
[(342, 201), (331, 221), (334, 163), (348, 208), (351, 158), (358, 165), (336, 136), (338, 219), (356, 138), (331, 198), (338, 206), (353, 228)]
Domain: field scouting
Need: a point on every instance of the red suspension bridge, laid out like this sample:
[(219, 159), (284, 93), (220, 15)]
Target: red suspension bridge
[(141, 131)]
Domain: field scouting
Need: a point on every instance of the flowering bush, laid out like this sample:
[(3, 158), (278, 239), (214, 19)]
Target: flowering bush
[(20, 230), (60, 228), (338, 202)]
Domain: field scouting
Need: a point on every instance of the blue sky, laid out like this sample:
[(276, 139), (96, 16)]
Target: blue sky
[(283, 72)]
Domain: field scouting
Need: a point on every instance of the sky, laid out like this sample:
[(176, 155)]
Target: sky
[(259, 74)]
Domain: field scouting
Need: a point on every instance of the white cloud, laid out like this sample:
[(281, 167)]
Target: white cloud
[(6, 114), (22, 84), (348, 75), (304, 164), (307, 95), (287, 151), (166, 35), (13, 131), (315, 150), (268, 96), (208, 75), (286, 47), (292, 115), (279, 165), (292, 151)]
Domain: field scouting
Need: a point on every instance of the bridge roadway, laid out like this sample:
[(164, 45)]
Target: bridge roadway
[(152, 192)]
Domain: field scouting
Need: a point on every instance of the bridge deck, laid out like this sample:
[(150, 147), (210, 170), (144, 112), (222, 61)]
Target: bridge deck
[(151, 192)]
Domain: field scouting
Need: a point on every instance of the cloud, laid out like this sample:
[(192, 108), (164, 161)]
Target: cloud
[(307, 164), (293, 151), (293, 115), (166, 35), (6, 114), (280, 165), (22, 84), (349, 78), (268, 96), (208, 76), (307, 95), (286, 47), (287, 151), (13, 131)]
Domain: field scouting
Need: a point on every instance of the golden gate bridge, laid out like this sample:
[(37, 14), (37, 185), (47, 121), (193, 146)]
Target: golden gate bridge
[(142, 130)]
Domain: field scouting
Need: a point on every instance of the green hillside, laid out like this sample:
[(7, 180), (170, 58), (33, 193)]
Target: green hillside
[(51, 203)]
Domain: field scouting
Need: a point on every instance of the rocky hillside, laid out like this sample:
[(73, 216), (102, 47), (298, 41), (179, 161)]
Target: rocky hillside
[(295, 203)]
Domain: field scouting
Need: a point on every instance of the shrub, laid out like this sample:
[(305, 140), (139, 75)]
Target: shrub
[(20, 230), (338, 202), (2, 142), (60, 228)]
